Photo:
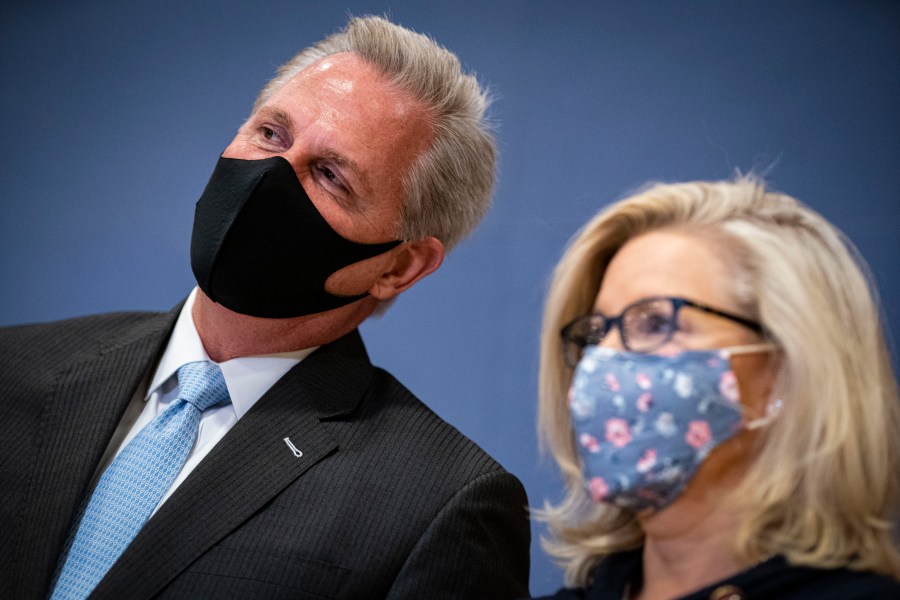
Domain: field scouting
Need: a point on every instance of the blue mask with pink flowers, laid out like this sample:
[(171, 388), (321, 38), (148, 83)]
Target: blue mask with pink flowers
[(644, 423)]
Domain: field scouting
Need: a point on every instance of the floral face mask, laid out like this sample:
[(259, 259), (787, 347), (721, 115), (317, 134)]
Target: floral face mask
[(644, 423)]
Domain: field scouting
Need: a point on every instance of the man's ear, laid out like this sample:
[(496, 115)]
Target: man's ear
[(411, 262)]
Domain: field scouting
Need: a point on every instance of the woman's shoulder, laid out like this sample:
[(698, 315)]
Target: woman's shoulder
[(566, 594), (776, 579), (773, 580), (847, 584)]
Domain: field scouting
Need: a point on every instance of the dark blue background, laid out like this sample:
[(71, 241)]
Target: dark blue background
[(113, 113)]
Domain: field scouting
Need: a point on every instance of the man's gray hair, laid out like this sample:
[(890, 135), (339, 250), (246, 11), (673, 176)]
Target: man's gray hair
[(448, 190)]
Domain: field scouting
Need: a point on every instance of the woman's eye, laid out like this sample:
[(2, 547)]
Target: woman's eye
[(652, 324), (594, 336), (659, 323)]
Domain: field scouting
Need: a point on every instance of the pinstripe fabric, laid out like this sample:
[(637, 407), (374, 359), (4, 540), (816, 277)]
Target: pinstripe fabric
[(51, 441), (387, 501)]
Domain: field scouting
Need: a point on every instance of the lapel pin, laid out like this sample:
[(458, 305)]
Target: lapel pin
[(293, 448)]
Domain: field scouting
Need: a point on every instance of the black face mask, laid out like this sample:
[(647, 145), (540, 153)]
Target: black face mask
[(261, 248)]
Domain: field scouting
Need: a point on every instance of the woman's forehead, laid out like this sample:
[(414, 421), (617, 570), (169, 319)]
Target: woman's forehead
[(666, 263)]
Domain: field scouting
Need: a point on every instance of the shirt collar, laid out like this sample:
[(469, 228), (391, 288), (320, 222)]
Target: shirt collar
[(247, 377)]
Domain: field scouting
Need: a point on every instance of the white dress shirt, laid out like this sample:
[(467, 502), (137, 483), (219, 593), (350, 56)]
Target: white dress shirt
[(247, 379)]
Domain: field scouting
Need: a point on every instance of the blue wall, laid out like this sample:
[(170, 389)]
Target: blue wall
[(113, 113)]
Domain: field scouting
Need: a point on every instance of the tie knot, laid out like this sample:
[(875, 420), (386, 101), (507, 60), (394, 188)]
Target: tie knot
[(202, 384)]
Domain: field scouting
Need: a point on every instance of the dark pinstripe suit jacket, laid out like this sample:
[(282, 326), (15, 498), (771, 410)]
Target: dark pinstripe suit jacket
[(387, 500)]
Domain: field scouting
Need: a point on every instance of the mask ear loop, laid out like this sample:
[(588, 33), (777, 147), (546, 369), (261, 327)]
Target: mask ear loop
[(773, 407), (772, 410), (749, 348)]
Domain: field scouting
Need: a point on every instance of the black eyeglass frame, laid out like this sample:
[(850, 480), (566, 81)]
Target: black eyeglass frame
[(610, 322)]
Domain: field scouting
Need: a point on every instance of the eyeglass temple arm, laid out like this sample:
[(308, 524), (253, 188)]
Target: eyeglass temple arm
[(721, 313)]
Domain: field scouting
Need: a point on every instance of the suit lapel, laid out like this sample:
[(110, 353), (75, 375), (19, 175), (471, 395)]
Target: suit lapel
[(72, 440), (246, 469)]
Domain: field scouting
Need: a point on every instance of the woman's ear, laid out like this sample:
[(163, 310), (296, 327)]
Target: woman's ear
[(411, 262)]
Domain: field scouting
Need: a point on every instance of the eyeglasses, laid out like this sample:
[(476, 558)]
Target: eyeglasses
[(644, 326)]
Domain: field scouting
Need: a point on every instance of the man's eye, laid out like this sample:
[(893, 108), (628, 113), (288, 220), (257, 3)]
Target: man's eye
[(268, 132), (332, 177)]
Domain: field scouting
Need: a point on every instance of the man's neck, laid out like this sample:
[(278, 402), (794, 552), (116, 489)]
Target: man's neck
[(226, 334)]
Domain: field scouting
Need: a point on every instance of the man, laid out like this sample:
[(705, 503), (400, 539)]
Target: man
[(304, 471)]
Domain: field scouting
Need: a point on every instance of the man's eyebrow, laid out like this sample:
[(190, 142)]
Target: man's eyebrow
[(279, 116)]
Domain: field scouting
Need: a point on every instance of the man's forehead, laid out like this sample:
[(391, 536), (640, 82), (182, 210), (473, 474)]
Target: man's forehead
[(342, 75), (339, 71), (327, 63)]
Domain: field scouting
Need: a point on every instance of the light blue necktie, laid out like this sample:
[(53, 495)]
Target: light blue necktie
[(136, 481)]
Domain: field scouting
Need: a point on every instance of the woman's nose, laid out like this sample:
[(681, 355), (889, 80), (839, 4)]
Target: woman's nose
[(613, 339)]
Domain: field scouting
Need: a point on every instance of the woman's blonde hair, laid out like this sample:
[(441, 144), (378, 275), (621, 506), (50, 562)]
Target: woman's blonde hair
[(823, 486)]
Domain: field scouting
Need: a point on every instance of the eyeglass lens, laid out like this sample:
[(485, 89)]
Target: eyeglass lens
[(648, 325), (644, 326)]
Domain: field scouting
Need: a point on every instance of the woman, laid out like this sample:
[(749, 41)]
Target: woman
[(716, 389)]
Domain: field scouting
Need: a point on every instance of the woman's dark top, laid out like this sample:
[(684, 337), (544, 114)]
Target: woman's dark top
[(770, 580)]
